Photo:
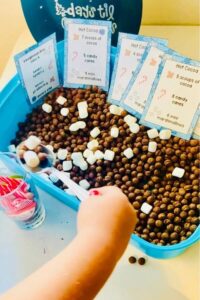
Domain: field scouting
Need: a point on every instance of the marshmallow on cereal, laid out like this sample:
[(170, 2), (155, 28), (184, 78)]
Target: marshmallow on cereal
[(67, 165), (83, 165), (109, 155), (62, 154), (74, 127), (95, 132), (83, 109), (47, 108), (31, 159), (152, 133), (128, 153), (92, 145), (146, 208), (61, 100), (32, 142), (178, 172), (130, 120), (115, 110), (99, 154), (114, 132), (81, 124), (152, 147), (165, 134), (64, 111), (91, 159), (134, 128), (87, 153)]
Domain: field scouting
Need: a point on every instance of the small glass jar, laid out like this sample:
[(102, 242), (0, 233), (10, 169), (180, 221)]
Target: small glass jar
[(19, 198)]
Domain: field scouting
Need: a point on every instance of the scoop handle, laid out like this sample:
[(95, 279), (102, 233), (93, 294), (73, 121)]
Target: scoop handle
[(74, 187)]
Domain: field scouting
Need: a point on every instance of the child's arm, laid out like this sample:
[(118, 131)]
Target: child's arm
[(105, 223)]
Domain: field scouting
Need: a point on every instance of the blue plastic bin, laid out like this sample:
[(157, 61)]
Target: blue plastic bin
[(13, 109)]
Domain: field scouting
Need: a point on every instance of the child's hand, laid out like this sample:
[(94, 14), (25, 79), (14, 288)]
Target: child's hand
[(108, 214), (105, 223)]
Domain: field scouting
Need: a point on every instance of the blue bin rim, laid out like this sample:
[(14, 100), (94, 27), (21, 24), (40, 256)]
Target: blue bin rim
[(195, 237)]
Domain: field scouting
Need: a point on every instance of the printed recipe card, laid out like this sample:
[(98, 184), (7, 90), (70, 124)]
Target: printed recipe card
[(139, 87), (37, 67), (87, 53), (129, 52), (196, 133), (175, 96)]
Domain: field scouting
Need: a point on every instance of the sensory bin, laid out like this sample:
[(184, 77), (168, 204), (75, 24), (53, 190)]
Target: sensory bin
[(158, 172)]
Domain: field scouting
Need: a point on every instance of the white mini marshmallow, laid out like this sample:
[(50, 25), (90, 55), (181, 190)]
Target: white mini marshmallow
[(49, 147), (82, 104), (109, 155), (128, 153), (53, 178), (87, 153), (62, 154), (61, 100), (82, 109), (81, 124), (84, 184), (130, 120), (77, 162), (95, 132), (67, 165), (83, 165), (47, 108), (31, 159), (77, 156), (64, 111), (165, 134), (12, 148), (74, 127), (114, 132), (32, 142), (178, 172), (115, 110), (152, 133), (146, 208), (83, 113), (99, 154), (91, 159), (152, 147), (92, 145), (134, 128)]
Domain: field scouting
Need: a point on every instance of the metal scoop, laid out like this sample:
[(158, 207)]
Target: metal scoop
[(47, 165)]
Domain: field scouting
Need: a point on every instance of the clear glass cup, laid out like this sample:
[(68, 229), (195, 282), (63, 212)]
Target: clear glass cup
[(19, 198)]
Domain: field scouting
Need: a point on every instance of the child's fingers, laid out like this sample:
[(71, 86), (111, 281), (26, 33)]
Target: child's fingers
[(108, 191)]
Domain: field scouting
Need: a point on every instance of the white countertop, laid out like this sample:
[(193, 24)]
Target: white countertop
[(22, 252)]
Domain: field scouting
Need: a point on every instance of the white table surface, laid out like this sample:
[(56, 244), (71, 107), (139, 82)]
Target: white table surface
[(22, 252)]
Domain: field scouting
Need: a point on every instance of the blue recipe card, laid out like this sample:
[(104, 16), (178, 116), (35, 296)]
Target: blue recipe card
[(175, 97), (37, 67), (87, 53), (136, 94), (129, 52)]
